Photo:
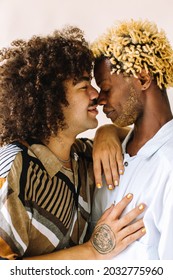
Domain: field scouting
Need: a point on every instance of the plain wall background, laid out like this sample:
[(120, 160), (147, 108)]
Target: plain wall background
[(24, 18)]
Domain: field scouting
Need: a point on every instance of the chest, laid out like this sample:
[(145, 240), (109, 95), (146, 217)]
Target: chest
[(146, 178)]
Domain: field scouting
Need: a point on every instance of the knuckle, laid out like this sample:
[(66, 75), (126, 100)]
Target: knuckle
[(135, 212), (96, 168), (128, 231), (107, 170), (96, 156), (130, 238), (108, 179), (115, 175), (126, 219), (120, 162), (113, 164)]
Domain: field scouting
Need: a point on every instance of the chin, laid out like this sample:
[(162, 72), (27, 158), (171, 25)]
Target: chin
[(94, 124), (121, 123), (91, 125)]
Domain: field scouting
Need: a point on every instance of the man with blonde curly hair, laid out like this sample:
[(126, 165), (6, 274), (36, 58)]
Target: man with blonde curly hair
[(46, 174), (133, 69)]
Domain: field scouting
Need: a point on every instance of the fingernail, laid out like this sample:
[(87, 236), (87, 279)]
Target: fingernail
[(129, 195), (143, 230), (121, 171), (98, 185), (110, 187), (141, 207), (116, 183)]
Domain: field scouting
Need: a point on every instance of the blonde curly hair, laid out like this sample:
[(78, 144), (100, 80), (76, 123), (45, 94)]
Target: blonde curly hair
[(135, 45)]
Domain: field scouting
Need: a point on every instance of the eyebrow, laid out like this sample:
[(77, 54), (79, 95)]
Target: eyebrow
[(81, 79), (100, 82)]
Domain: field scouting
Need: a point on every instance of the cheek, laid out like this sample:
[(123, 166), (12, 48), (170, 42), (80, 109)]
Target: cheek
[(115, 99), (113, 102), (133, 103)]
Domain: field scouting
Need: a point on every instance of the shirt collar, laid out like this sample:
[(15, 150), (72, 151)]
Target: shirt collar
[(47, 158), (159, 139)]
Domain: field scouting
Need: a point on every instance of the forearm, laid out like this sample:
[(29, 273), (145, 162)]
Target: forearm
[(80, 252), (122, 132), (119, 132), (111, 235), (107, 154)]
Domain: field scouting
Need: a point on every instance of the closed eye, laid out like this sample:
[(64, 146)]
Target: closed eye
[(85, 87), (105, 91)]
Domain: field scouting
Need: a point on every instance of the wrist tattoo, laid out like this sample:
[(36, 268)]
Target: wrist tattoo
[(103, 239)]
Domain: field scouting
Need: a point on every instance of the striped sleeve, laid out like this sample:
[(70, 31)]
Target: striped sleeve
[(84, 146), (7, 156), (11, 245)]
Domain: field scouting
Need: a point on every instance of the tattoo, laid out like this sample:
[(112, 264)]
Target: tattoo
[(103, 239)]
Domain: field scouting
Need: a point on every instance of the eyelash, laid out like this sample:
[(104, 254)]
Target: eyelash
[(105, 91)]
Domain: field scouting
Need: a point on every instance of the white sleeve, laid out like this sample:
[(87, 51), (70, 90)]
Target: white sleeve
[(165, 248)]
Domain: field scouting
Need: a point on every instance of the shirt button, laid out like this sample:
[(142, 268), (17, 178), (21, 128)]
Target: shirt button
[(126, 163), (75, 157)]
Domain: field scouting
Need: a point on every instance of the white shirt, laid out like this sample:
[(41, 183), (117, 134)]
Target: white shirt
[(149, 176)]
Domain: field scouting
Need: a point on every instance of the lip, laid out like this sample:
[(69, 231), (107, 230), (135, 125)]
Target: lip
[(93, 109), (108, 112)]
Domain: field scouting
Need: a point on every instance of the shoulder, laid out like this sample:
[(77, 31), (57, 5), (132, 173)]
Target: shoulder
[(163, 142), (166, 153), (83, 146), (7, 156)]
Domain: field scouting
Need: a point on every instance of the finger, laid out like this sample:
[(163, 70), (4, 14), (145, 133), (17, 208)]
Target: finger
[(97, 168), (120, 206), (116, 169), (133, 237), (120, 165), (131, 228), (114, 179), (106, 213), (132, 215), (108, 172)]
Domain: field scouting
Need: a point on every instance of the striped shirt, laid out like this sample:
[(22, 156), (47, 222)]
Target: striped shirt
[(44, 207)]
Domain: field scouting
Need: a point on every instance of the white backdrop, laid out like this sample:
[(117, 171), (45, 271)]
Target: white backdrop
[(24, 18)]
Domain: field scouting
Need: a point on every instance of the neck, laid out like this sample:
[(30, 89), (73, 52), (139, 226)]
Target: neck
[(156, 113), (60, 146)]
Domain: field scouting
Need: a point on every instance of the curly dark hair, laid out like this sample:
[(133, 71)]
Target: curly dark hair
[(32, 75)]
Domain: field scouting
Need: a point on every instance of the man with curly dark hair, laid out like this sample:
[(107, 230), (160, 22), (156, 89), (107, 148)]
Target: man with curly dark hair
[(46, 174)]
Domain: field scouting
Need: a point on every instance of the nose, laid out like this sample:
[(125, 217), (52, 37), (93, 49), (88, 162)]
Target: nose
[(101, 99), (93, 93)]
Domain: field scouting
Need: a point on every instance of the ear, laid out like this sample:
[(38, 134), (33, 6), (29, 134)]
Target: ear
[(145, 79)]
